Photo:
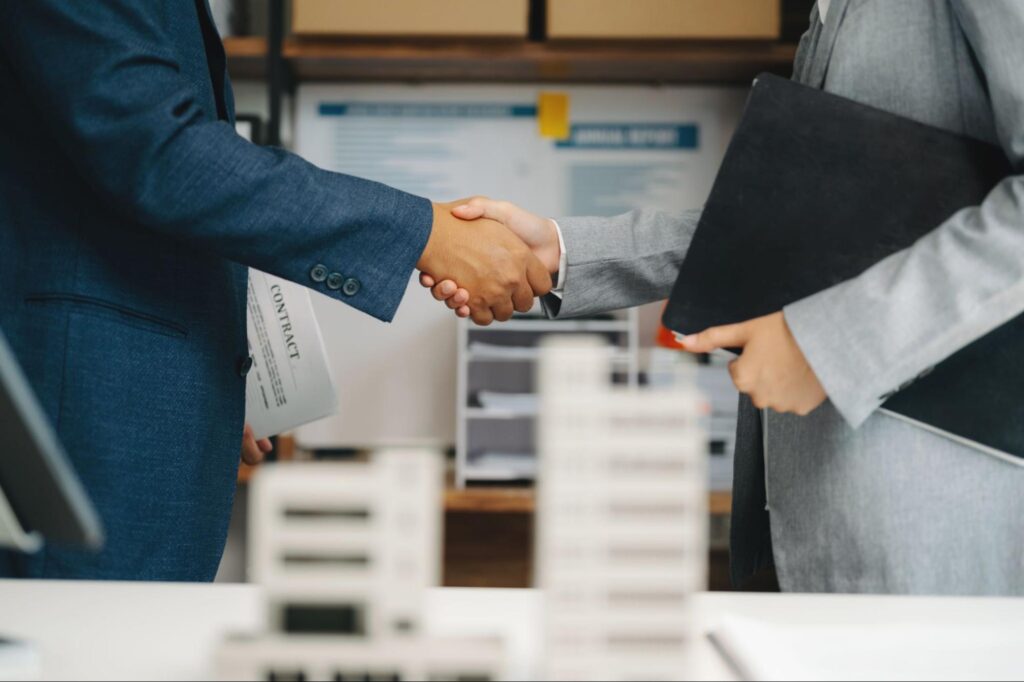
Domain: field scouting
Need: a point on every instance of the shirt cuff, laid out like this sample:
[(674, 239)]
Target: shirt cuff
[(563, 261)]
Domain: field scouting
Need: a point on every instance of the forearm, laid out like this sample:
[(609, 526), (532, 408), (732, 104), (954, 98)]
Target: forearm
[(872, 335), (274, 211), (876, 333), (620, 262), (135, 128)]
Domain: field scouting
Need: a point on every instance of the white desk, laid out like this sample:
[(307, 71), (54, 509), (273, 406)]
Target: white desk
[(163, 631)]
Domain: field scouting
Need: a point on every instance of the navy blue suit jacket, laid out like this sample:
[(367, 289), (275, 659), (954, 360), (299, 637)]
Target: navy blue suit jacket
[(129, 210)]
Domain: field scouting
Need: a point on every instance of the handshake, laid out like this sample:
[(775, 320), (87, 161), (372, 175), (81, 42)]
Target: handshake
[(488, 259)]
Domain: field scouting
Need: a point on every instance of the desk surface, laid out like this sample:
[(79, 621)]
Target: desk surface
[(164, 631)]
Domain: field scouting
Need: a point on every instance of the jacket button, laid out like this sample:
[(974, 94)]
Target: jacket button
[(352, 287), (318, 273), (244, 366), (334, 281)]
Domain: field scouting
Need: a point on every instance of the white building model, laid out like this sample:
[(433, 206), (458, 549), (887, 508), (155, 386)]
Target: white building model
[(345, 553), (621, 519)]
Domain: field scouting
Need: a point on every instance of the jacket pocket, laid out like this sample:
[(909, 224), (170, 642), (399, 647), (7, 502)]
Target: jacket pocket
[(107, 310)]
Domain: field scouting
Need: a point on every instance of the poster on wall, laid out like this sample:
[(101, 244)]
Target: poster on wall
[(603, 151)]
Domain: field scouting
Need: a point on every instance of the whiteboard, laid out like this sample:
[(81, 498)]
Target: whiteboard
[(629, 147)]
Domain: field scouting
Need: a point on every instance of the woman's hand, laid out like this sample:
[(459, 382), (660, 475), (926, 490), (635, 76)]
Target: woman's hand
[(772, 369)]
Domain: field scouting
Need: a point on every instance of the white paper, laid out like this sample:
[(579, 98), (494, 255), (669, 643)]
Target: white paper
[(290, 381), (882, 651), (19, 661)]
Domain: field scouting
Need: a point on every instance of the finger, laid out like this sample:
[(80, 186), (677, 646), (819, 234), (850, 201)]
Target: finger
[(482, 207), (458, 300), (468, 212), (426, 280), (740, 375), (265, 445), (251, 454), (538, 276), (444, 290), (522, 299), (482, 316), (503, 310), (463, 311), (727, 336)]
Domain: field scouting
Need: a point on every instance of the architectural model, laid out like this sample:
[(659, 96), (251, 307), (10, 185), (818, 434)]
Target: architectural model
[(345, 553), (621, 519)]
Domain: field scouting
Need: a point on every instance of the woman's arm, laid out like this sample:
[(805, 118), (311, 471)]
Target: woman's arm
[(867, 337), (607, 264)]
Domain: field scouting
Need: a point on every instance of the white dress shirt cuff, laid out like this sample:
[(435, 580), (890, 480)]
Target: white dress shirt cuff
[(562, 263)]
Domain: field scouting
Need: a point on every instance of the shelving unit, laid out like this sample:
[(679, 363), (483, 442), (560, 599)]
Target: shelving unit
[(291, 60), (489, 529), (516, 61), (505, 365)]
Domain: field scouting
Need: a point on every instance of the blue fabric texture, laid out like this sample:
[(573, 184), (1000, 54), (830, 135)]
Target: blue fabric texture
[(128, 214)]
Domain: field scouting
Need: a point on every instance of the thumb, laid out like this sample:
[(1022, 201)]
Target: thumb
[(727, 336), (482, 207)]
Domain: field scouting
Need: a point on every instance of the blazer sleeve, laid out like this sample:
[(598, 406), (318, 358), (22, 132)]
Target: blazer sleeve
[(870, 336), (620, 262), (106, 82)]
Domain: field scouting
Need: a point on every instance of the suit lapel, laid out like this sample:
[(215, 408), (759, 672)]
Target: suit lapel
[(816, 61)]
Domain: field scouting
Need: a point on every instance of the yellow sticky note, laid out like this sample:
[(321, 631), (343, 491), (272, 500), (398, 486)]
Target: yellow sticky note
[(553, 115)]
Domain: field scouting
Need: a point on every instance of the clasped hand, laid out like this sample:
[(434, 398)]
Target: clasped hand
[(496, 270), (772, 369)]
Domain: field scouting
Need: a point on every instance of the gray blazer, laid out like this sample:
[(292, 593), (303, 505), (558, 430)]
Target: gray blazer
[(857, 499)]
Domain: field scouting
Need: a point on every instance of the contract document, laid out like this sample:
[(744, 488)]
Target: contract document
[(290, 382)]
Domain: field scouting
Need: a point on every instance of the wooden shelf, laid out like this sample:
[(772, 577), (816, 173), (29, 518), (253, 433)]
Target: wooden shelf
[(490, 500), (519, 61), (247, 57), (519, 500), (522, 501)]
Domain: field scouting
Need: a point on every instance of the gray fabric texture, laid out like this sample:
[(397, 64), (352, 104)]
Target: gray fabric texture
[(861, 501)]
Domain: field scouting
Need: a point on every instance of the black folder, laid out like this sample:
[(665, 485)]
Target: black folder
[(814, 190)]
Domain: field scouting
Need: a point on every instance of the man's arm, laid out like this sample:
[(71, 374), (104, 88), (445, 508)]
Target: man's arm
[(866, 337), (106, 83)]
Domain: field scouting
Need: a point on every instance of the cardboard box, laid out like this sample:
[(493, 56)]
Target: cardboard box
[(664, 19), (476, 18)]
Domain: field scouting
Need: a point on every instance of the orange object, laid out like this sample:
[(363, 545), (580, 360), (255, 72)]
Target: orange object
[(666, 337)]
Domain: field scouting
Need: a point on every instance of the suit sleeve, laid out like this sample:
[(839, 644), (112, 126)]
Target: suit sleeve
[(620, 262), (107, 84), (871, 335)]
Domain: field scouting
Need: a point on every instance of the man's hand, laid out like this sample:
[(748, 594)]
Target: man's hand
[(539, 234), (492, 265), (772, 369), (254, 450)]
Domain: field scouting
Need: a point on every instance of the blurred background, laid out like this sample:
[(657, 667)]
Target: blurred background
[(566, 107)]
